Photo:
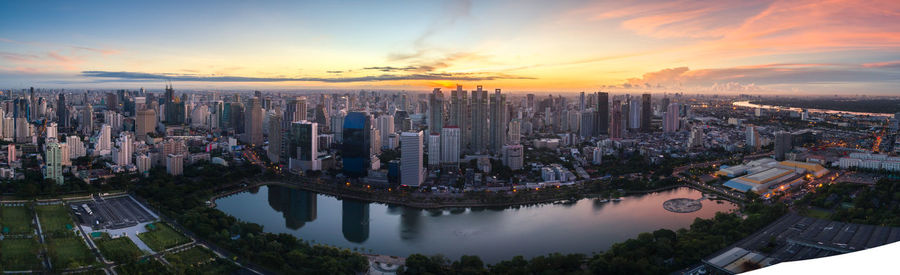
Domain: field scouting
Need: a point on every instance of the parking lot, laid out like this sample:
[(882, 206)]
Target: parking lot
[(111, 213)]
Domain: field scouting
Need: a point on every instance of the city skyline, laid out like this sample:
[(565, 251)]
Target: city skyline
[(765, 47)]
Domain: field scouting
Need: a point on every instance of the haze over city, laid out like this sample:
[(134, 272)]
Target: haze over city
[(449, 137), (766, 47)]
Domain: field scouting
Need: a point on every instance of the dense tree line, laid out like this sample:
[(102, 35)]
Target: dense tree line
[(660, 252), (878, 204), (183, 198)]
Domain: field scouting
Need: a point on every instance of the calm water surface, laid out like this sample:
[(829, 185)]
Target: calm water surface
[(493, 234)]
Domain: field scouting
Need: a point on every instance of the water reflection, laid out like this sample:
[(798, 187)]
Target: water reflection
[(297, 206), (493, 233), (355, 223)]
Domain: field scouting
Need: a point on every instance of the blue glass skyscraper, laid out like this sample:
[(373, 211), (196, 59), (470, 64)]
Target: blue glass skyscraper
[(356, 144)]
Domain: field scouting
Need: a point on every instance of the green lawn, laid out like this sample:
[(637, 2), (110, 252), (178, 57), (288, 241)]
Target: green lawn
[(69, 253), (20, 254), (17, 219), (54, 218), (119, 249), (189, 257), (162, 237)]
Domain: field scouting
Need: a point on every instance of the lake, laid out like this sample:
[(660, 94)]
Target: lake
[(585, 226)]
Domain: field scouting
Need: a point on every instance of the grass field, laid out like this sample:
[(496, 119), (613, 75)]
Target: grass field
[(191, 256), (69, 253), (20, 254), (162, 237), (54, 218), (818, 213), (17, 219), (118, 249)]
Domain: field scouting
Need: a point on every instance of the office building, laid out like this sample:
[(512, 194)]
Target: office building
[(783, 144), (435, 111), (304, 146), (602, 121), (412, 171), (646, 113), (356, 144), (253, 134), (514, 156), (274, 151), (144, 123), (672, 120), (450, 150)]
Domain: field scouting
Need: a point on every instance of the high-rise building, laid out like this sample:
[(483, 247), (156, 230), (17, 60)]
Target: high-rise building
[(783, 144), (434, 150), (515, 131), (144, 123), (514, 156), (174, 164), (304, 146), (459, 115), (253, 134), (356, 144), (450, 136), (634, 115), (51, 130), (696, 137), (412, 172), (588, 124), (62, 112), (602, 120), (295, 111), (385, 126), (752, 137), (144, 164), (76, 147), (435, 111), (646, 113), (104, 141), (479, 120), (498, 122), (672, 120), (87, 120), (275, 134), (53, 162)]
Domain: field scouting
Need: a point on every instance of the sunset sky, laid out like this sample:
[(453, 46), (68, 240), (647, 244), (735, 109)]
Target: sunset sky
[(775, 47)]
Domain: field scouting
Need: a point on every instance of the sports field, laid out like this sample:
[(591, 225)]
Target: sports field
[(54, 219), (20, 254), (69, 253), (161, 237), (118, 249), (16, 220)]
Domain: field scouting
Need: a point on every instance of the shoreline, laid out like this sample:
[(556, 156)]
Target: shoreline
[(431, 205)]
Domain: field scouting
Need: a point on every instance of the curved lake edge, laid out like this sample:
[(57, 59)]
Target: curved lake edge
[(393, 201)]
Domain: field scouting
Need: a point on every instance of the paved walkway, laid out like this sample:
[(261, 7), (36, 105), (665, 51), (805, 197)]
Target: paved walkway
[(130, 232)]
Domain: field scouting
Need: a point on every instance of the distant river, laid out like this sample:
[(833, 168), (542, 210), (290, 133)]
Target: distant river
[(585, 226), (751, 105)]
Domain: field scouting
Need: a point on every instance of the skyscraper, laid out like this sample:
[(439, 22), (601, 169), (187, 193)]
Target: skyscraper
[(356, 144), (253, 123), (672, 120), (783, 144), (515, 131), (752, 137), (498, 122), (304, 146), (385, 126), (459, 115), (450, 136), (646, 113), (62, 112), (602, 120), (435, 111), (479, 120), (274, 151), (434, 150), (412, 172), (145, 122), (295, 111), (54, 162), (615, 121)]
